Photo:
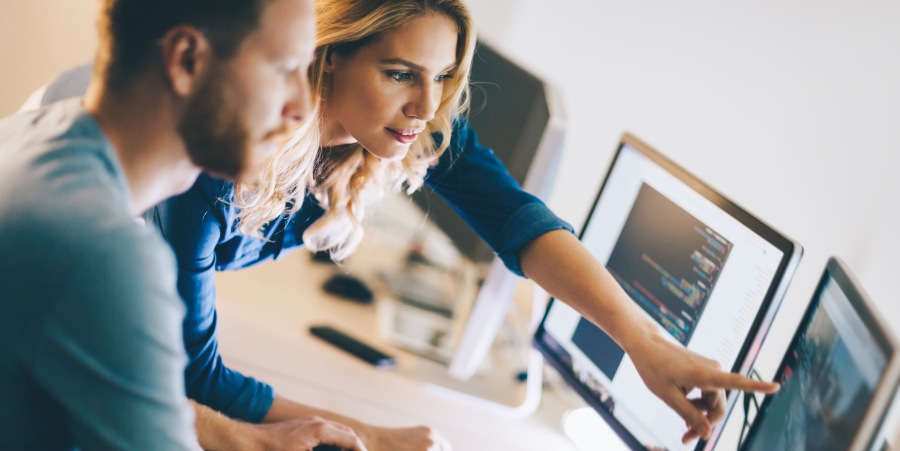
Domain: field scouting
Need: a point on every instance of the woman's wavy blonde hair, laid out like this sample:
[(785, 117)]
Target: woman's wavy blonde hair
[(347, 179)]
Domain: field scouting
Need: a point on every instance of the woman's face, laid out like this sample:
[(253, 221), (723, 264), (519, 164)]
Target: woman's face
[(383, 95)]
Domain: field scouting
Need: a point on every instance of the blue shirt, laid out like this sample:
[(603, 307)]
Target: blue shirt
[(91, 352), (201, 226)]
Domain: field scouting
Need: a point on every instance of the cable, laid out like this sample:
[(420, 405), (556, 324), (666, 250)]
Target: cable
[(749, 398)]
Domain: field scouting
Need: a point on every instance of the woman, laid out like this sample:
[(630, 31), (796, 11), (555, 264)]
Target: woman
[(389, 84)]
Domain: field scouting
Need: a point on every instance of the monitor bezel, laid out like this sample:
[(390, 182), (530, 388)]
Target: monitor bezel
[(837, 271), (791, 250)]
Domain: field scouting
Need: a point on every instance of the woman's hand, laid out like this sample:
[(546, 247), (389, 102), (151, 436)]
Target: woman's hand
[(420, 438), (560, 264), (672, 372), (307, 433)]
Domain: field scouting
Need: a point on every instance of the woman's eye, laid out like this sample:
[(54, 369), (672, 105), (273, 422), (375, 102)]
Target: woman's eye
[(444, 77), (399, 76)]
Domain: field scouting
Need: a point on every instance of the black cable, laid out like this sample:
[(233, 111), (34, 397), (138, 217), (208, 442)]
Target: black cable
[(749, 399)]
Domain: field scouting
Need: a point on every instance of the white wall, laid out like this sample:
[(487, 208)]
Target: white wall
[(791, 108), (38, 40)]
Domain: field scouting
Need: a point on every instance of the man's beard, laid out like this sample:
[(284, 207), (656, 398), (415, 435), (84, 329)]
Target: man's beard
[(215, 134)]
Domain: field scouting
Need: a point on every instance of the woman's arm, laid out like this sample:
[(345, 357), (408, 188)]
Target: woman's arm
[(195, 224), (201, 230), (477, 185), (559, 263), (532, 241)]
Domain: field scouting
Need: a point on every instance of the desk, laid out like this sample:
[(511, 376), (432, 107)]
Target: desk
[(264, 315)]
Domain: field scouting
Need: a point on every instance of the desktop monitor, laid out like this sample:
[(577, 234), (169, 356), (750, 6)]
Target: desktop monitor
[(837, 377), (517, 115), (707, 272)]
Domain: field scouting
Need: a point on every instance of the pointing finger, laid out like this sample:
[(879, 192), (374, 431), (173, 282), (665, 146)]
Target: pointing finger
[(731, 381)]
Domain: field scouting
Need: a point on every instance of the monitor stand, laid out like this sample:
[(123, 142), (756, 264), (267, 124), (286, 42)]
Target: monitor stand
[(588, 430), (509, 382)]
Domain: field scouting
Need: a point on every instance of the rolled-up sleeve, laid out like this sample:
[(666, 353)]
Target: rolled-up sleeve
[(477, 185)]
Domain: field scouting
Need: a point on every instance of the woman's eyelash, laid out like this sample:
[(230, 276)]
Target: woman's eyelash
[(398, 75), (404, 76)]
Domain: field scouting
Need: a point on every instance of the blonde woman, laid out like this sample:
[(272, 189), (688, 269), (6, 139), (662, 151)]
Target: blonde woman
[(389, 86)]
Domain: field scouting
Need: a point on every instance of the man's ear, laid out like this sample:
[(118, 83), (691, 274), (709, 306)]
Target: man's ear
[(187, 57)]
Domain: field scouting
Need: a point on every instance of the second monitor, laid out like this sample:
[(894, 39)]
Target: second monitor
[(837, 376)]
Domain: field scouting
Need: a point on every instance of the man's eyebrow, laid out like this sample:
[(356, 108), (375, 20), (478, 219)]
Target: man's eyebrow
[(412, 65)]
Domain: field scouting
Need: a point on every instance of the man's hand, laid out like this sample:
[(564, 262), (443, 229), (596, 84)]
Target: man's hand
[(671, 372), (306, 433)]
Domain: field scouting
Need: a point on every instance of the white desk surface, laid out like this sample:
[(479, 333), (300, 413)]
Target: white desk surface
[(264, 316)]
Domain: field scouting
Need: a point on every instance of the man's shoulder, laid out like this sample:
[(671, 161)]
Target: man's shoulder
[(57, 154), (61, 188), (71, 83), (48, 123)]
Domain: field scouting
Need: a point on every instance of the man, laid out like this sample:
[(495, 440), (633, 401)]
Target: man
[(91, 354)]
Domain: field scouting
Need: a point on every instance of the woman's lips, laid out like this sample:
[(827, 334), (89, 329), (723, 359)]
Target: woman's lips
[(404, 136)]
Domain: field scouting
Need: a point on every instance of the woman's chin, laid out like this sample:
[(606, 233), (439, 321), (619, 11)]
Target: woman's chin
[(390, 153)]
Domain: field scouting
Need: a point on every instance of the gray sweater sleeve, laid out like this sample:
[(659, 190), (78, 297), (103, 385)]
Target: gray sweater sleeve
[(111, 352)]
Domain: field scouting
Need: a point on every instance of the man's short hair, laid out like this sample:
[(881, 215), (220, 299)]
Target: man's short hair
[(130, 30)]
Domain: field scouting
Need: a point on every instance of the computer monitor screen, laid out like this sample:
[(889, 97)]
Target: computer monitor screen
[(707, 272), (836, 376)]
